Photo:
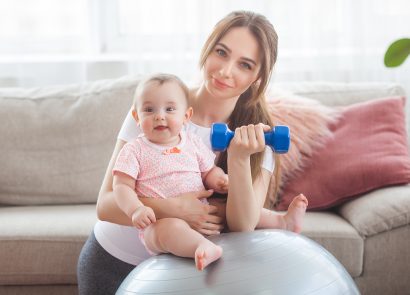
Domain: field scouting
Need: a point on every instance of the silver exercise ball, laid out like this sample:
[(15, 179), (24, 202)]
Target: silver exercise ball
[(259, 262)]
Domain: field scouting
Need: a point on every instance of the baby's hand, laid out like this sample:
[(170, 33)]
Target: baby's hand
[(222, 184), (142, 217)]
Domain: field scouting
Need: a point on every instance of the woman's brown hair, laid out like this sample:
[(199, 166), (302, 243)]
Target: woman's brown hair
[(251, 106)]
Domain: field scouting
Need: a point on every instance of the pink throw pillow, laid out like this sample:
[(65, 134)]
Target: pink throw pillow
[(368, 151), (309, 122)]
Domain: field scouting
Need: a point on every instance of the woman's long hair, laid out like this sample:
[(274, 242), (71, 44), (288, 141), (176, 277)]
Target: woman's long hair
[(251, 106)]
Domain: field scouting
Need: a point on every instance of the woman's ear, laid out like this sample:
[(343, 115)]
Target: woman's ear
[(188, 114)]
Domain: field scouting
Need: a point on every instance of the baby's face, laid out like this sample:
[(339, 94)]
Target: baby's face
[(162, 111)]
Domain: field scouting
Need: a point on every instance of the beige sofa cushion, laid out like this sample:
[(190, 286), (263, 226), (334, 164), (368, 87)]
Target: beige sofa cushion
[(381, 210), (338, 237), (41, 244), (342, 94), (57, 141), (387, 263)]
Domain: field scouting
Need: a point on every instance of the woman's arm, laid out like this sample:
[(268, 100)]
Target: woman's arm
[(245, 198), (187, 206), (107, 208)]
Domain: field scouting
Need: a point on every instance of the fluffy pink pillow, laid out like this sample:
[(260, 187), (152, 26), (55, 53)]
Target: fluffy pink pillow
[(368, 151), (309, 121)]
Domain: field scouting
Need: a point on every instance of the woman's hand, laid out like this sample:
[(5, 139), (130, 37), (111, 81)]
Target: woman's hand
[(220, 204), (248, 140), (205, 219)]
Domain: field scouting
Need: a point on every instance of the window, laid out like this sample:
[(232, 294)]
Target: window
[(56, 41), (43, 27)]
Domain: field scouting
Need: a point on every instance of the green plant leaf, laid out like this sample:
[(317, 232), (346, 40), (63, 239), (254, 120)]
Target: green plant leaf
[(397, 53)]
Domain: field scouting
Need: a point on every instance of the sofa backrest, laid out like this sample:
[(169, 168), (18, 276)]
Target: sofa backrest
[(342, 94), (56, 141)]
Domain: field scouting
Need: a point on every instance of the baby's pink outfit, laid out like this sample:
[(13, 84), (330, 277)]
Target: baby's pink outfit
[(165, 172)]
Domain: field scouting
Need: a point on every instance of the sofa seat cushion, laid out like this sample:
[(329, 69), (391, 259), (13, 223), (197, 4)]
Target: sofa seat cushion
[(381, 210), (41, 244), (337, 236)]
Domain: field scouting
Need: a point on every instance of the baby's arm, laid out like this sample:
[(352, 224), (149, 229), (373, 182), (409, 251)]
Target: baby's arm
[(127, 200), (216, 179)]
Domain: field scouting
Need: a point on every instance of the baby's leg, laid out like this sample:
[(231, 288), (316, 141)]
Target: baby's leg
[(292, 220), (173, 235)]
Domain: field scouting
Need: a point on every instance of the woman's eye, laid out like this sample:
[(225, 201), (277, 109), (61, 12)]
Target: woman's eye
[(245, 65), (220, 52)]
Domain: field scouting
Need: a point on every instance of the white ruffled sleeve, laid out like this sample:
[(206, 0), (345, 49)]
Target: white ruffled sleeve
[(129, 129), (268, 160)]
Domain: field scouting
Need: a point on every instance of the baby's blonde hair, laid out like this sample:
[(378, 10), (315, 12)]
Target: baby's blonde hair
[(160, 78)]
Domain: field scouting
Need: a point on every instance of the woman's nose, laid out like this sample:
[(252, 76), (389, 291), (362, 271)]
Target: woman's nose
[(226, 69)]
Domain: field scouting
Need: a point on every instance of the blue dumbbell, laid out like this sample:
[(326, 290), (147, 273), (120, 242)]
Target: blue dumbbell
[(278, 138)]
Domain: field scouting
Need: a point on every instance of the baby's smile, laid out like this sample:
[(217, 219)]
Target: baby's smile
[(160, 128)]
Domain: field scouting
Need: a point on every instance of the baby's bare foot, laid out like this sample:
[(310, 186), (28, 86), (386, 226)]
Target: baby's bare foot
[(294, 217), (207, 253)]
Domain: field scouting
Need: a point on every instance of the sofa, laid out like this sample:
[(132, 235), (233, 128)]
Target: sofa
[(56, 142)]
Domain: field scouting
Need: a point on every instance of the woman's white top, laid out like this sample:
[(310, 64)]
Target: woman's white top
[(122, 241)]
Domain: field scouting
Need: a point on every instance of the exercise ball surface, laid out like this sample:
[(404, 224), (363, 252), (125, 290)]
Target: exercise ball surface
[(258, 262)]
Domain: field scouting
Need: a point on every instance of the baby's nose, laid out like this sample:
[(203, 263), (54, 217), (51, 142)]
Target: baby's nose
[(160, 114)]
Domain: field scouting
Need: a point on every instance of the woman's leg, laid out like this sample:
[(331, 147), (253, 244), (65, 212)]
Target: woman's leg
[(173, 235), (292, 220), (97, 271)]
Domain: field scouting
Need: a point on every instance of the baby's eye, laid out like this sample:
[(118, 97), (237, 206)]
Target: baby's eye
[(220, 52), (171, 109), (148, 109)]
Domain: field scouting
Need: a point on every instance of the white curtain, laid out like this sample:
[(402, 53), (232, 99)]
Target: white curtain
[(46, 42)]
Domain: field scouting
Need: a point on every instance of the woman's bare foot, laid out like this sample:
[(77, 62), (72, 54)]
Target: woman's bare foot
[(296, 210), (206, 253)]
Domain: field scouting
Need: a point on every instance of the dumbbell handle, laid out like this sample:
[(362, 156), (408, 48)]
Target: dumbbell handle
[(278, 138)]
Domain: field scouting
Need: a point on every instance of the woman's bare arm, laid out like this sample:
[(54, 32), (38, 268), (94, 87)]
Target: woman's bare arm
[(246, 197), (107, 208)]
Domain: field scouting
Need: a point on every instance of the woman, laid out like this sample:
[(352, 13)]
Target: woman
[(237, 62)]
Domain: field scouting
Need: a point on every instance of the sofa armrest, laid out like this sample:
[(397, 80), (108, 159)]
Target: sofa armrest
[(378, 211)]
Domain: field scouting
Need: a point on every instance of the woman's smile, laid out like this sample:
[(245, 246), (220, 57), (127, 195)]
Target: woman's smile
[(220, 84)]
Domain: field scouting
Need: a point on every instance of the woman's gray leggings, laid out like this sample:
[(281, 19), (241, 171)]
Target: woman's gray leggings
[(97, 271)]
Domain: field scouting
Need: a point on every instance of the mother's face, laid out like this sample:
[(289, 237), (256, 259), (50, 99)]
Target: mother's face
[(233, 64)]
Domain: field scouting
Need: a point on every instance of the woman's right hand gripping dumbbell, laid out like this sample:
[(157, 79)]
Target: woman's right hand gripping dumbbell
[(278, 138), (248, 140)]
